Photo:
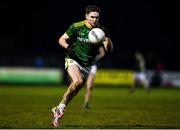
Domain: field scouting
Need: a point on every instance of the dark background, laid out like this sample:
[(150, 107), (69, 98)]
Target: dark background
[(30, 29)]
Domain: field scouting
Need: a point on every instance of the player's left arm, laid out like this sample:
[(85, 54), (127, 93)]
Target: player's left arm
[(101, 53), (108, 45)]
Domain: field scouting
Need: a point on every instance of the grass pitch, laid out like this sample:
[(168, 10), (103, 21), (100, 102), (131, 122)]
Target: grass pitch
[(29, 107)]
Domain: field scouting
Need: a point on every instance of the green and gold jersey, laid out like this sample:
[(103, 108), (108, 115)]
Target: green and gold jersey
[(85, 52)]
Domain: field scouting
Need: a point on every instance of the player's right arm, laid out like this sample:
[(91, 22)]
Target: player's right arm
[(70, 32), (63, 40)]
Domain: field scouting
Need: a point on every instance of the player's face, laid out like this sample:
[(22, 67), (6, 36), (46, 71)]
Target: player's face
[(92, 18)]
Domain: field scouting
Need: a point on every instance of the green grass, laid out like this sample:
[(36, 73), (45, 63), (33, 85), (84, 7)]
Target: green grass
[(112, 107)]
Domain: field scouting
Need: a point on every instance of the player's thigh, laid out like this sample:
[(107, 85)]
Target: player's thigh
[(75, 73)]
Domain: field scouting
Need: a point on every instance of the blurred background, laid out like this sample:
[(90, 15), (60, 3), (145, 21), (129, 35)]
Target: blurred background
[(29, 32)]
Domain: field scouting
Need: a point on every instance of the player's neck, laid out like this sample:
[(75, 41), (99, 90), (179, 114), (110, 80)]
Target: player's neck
[(88, 25)]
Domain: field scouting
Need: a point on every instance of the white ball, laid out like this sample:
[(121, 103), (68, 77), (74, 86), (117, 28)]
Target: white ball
[(96, 35)]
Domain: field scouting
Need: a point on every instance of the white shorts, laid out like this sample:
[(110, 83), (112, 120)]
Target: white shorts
[(93, 69), (84, 70)]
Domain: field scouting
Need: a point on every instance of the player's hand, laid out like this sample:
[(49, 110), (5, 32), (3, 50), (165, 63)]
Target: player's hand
[(103, 40), (108, 45)]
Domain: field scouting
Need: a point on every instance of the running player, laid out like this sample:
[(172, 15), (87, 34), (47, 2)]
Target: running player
[(80, 56), (140, 72)]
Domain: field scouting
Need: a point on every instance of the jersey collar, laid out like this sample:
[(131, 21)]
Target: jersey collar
[(87, 24)]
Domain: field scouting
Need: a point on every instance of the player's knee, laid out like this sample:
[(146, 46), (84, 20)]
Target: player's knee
[(78, 82)]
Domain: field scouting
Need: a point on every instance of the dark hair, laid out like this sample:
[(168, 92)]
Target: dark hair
[(92, 8)]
